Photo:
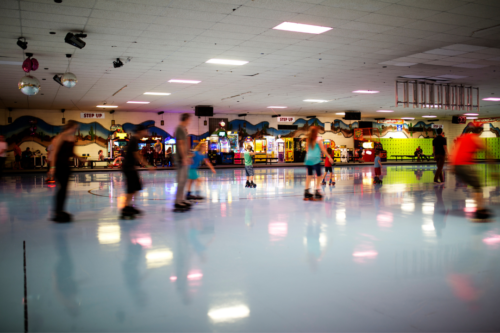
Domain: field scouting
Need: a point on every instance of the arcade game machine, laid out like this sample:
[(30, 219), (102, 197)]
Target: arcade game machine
[(327, 144), (232, 137), (382, 152), (271, 145), (226, 154), (289, 151), (119, 140), (169, 143), (337, 154), (344, 154), (368, 151), (280, 149), (213, 148), (299, 149), (260, 150)]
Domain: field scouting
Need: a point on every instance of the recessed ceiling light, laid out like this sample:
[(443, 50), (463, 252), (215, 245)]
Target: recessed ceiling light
[(408, 118), (316, 100), (137, 102), (492, 99), (366, 91), (340, 114), (385, 111), (156, 93), (107, 106), (299, 27), (227, 62), (184, 81), (471, 114), (276, 107), (429, 116), (471, 118)]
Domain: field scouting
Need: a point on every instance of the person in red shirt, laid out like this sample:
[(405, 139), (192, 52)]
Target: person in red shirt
[(328, 168), (462, 160)]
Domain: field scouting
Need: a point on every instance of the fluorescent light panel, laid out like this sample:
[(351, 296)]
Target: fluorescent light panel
[(408, 118), (340, 114), (276, 107), (107, 106), (471, 114), (366, 91), (137, 102), (385, 111), (492, 99), (227, 62), (316, 100), (300, 27), (471, 118), (156, 93), (429, 116), (184, 81)]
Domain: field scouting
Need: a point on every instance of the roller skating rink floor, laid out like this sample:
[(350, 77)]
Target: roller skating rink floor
[(398, 257)]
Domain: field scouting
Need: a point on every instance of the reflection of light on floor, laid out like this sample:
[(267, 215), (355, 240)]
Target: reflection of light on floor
[(408, 207), (340, 216), (494, 239), (428, 227), (215, 196), (158, 258), (367, 181), (369, 254), (229, 313), (195, 275), (384, 219), (428, 208), (173, 278), (278, 230), (143, 240), (108, 233), (470, 206)]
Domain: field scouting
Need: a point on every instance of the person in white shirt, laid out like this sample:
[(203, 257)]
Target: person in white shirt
[(3, 154)]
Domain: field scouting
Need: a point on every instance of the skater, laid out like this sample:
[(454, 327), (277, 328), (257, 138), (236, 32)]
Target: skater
[(328, 168), (462, 159), (3, 154), (199, 156), (131, 159), (378, 168), (314, 148), (248, 156), (62, 151), (440, 151), (182, 162)]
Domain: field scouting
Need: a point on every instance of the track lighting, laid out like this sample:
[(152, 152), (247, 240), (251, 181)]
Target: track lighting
[(74, 40), (22, 44), (117, 63)]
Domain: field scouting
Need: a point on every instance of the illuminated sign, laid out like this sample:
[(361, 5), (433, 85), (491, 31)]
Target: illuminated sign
[(368, 145), (286, 119), (436, 126), (120, 135), (222, 133), (92, 115), (156, 138)]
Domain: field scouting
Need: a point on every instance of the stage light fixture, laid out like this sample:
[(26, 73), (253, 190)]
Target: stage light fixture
[(117, 63), (74, 40), (57, 78), (22, 44)]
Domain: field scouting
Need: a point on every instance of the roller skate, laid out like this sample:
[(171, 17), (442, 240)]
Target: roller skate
[(190, 197), (247, 185), (331, 183), (62, 217), (483, 216), (127, 213), (135, 210), (181, 208), (308, 195), (323, 183), (253, 185), (318, 196)]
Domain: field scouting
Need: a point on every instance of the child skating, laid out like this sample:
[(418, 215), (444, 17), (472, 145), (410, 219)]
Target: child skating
[(249, 167), (378, 169), (314, 149), (328, 168), (199, 156)]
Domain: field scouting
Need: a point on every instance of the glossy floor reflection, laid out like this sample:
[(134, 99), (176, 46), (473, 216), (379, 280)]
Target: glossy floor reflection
[(398, 257)]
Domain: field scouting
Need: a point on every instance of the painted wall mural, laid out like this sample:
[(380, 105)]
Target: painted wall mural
[(33, 129), (491, 128)]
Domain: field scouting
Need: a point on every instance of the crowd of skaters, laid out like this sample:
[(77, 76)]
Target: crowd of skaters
[(460, 160)]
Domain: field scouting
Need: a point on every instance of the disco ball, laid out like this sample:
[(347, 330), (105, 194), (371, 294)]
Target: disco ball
[(29, 85), (69, 80)]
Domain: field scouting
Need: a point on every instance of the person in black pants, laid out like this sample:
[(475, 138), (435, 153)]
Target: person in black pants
[(3, 154), (59, 168), (131, 159)]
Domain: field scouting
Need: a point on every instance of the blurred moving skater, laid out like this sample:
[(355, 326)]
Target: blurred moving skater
[(462, 159), (63, 145), (314, 148), (439, 150), (182, 162), (199, 155), (131, 159)]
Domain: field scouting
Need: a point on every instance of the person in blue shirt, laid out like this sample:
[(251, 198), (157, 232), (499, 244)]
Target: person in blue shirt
[(313, 163), (378, 168), (198, 156)]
